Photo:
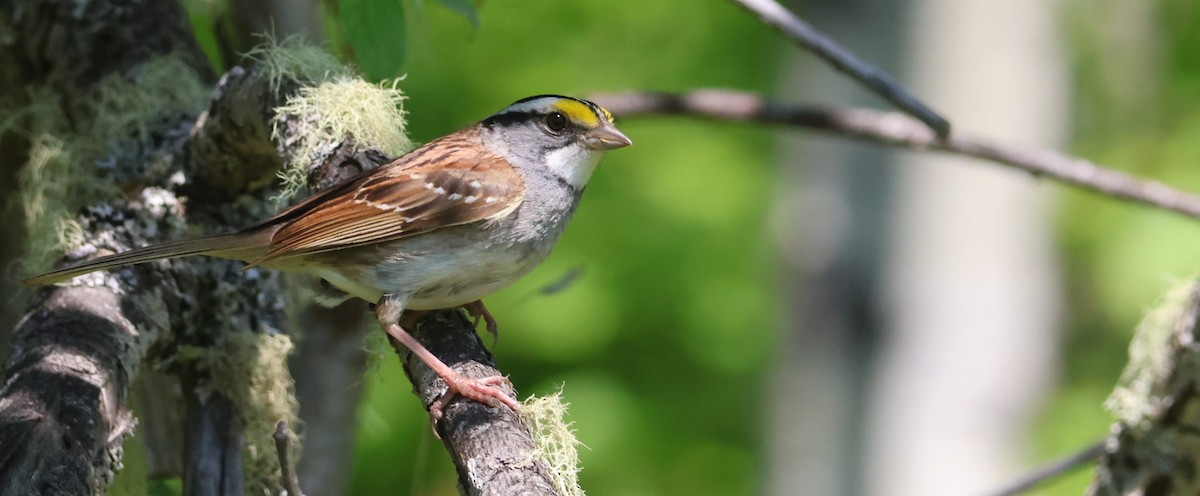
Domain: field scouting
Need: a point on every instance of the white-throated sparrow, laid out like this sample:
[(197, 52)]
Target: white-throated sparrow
[(442, 226)]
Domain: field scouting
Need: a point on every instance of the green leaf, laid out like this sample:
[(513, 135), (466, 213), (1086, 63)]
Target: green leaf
[(376, 32), (465, 8)]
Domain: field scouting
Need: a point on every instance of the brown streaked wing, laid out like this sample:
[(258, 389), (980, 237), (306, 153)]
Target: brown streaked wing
[(447, 182)]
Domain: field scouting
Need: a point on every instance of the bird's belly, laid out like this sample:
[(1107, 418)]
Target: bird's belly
[(453, 281), (448, 267), (449, 272)]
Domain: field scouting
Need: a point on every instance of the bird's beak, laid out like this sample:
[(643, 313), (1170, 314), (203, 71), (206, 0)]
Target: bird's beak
[(607, 137)]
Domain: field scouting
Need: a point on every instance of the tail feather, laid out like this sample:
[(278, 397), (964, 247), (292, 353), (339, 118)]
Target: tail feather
[(238, 246)]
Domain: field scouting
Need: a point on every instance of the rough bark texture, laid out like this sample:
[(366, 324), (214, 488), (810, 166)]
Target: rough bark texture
[(490, 446), (1154, 446), (74, 357), (63, 413), (69, 45)]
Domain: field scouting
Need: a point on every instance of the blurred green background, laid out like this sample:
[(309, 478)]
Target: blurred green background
[(665, 342), (1137, 108)]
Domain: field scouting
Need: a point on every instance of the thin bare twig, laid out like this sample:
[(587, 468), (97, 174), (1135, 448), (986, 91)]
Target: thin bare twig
[(895, 129), (1054, 469), (778, 17), (283, 446)]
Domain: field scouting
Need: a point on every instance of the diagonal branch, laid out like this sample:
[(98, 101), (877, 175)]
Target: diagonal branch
[(492, 449), (901, 131), (778, 17), (1086, 456)]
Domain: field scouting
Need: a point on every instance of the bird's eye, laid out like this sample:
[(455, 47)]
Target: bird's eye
[(556, 122)]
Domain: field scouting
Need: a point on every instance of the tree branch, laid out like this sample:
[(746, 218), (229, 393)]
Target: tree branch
[(215, 329), (490, 446), (778, 17), (1154, 447), (283, 449), (63, 409), (898, 130), (1041, 475), (214, 447)]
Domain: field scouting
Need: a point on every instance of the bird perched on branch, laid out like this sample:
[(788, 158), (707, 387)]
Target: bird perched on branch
[(440, 227)]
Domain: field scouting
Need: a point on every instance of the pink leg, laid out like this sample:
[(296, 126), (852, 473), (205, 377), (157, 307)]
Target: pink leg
[(480, 390), (476, 310)]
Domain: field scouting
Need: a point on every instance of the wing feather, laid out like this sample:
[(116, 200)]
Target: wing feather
[(447, 182)]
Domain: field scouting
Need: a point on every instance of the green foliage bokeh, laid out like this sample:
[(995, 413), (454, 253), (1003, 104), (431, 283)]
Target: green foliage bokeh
[(1137, 110)]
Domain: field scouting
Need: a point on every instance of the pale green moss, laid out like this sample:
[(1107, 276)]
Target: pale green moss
[(133, 108), (345, 106), (1153, 360), (330, 105), (58, 179), (555, 442), (251, 370), (294, 60), (48, 177)]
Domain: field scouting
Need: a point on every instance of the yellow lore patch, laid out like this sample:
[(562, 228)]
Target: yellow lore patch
[(578, 112)]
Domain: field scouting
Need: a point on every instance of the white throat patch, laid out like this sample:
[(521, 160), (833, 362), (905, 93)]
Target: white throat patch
[(574, 163)]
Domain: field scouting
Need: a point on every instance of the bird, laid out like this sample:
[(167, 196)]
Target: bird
[(442, 226)]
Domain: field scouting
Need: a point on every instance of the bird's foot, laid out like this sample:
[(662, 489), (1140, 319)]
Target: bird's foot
[(476, 310), (483, 390)]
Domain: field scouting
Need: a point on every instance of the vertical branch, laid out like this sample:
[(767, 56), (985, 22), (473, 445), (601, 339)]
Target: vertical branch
[(283, 449), (214, 447)]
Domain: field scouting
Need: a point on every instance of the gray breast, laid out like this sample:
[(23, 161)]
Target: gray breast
[(454, 266)]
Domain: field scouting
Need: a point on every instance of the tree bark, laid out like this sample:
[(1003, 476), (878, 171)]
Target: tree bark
[(491, 448), (1154, 448), (63, 409)]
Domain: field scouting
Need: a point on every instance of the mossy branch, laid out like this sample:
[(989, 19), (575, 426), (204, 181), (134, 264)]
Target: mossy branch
[(1154, 447), (493, 449)]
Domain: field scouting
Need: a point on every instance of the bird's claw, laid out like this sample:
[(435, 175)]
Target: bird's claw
[(483, 390), (477, 311)]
